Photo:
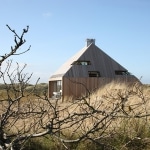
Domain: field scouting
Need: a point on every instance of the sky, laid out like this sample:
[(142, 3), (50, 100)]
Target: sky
[(58, 29)]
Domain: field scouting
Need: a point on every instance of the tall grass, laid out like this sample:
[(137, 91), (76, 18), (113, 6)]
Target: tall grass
[(122, 134)]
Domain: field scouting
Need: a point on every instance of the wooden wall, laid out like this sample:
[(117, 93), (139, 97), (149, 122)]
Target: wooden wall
[(50, 89), (76, 87)]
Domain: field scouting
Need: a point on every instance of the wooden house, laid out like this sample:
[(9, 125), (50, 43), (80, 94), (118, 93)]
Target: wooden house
[(86, 71)]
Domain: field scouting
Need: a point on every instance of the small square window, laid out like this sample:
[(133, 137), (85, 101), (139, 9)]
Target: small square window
[(81, 62), (121, 72), (94, 74)]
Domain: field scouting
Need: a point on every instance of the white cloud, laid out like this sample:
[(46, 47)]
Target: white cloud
[(47, 14)]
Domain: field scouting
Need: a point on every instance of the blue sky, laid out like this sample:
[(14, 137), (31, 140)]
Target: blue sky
[(59, 28)]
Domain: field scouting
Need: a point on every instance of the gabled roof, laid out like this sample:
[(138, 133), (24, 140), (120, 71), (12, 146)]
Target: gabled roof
[(100, 61), (67, 65)]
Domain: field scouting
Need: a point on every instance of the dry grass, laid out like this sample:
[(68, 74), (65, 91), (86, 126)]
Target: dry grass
[(123, 130), (137, 100), (122, 133), (113, 92)]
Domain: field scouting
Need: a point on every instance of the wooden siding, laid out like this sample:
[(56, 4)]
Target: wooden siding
[(50, 89), (76, 87), (67, 65), (99, 60)]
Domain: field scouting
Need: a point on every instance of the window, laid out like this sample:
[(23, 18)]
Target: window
[(81, 62), (94, 74), (121, 72), (57, 86)]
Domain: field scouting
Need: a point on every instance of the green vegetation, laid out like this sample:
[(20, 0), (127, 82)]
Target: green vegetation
[(40, 89), (131, 134), (43, 143)]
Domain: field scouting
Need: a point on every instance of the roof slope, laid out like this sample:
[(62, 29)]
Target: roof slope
[(100, 61), (67, 65)]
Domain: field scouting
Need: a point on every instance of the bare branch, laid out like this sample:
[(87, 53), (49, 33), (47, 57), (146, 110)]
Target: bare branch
[(19, 41)]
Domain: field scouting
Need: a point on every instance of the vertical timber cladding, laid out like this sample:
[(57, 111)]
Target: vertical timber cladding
[(76, 87), (50, 89)]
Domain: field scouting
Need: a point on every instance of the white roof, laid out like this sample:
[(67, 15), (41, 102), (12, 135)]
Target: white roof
[(67, 65)]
